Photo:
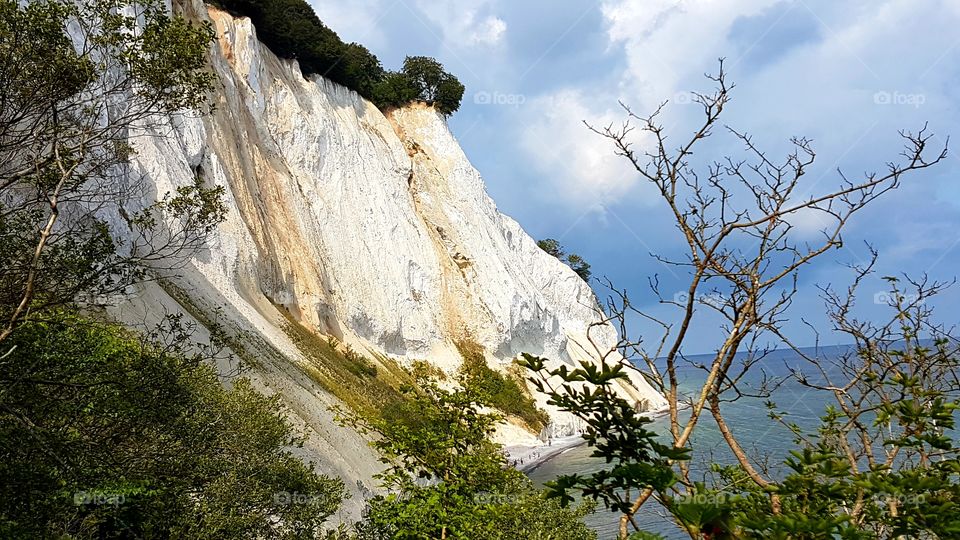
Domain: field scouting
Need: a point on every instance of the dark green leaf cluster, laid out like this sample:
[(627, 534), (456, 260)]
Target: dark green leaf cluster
[(105, 434), (574, 261), (59, 157), (291, 29)]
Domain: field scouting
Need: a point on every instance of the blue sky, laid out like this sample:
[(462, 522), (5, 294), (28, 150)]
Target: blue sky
[(847, 74)]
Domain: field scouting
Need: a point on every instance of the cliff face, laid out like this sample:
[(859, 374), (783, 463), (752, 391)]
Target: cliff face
[(373, 229)]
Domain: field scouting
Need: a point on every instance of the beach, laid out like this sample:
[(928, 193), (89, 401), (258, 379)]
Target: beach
[(526, 458)]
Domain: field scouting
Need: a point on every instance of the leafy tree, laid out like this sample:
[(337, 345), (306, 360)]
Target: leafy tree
[(580, 266), (434, 85), (449, 95), (426, 74), (615, 428), (394, 90), (552, 247), (574, 261), (106, 434), (446, 479), (67, 108), (362, 69)]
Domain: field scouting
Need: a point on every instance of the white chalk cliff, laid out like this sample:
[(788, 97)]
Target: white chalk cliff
[(371, 228)]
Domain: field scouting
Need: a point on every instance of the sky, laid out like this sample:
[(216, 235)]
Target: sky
[(848, 75)]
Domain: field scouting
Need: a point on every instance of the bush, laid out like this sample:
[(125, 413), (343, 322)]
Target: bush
[(446, 479), (508, 394), (433, 85), (104, 434), (394, 90), (574, 261)]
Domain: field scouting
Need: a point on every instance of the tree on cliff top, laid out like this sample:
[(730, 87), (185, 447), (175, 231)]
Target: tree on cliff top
[(434, 85), (574, 261), (291, 29)]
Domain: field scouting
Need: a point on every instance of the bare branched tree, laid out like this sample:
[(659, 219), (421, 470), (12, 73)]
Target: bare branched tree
[(736, 217), (886, 390)]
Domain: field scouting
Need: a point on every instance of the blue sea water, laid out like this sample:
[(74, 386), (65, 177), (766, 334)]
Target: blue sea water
[(749, 420)]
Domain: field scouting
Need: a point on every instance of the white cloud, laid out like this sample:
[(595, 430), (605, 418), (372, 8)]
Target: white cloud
[(578, 166), (358, 21), (823, 87), (489, 32), (465, 23), (668, 41)]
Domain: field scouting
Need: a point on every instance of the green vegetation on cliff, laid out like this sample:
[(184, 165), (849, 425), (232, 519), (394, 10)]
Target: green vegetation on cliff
[(291, 29), (446, 479), (507, 393)]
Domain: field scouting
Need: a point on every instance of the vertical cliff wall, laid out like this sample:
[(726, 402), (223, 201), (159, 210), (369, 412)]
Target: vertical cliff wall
[(373, 229)]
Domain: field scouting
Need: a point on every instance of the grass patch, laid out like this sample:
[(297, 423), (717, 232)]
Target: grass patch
[(428, 370), (507, 392), (367, 387), (233, 339)]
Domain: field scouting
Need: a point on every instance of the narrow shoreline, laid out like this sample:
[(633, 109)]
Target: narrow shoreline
[(527, 458)]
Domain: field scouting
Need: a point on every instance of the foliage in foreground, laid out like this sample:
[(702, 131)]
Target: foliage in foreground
[(106, 434), (446, 479), (103, 433), (61, 163), (884, 461)]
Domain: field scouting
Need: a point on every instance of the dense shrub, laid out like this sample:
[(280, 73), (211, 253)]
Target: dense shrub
[(445, 478), (291, 29), (395, 89), (505, 393), (433, 84), (105, 434)]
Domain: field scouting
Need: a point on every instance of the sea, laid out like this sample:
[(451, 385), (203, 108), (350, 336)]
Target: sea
[(748, 418)]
